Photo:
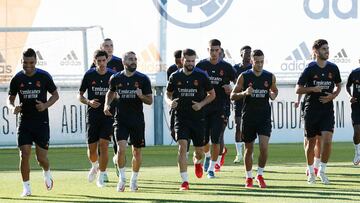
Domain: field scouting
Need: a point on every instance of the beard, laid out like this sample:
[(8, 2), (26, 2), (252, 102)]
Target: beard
[(324, 56), (189, 67), (131, 68)]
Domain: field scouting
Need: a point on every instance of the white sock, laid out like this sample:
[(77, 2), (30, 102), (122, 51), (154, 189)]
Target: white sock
[(95, 164), (46, 173), (357, 148), (249, 174), (122, 177), (238, 146), (322, 167), (260, 171), (26, 184), (218, 160), (102, 172), (134, 176), (311, 169), (317, 163), (196, 161), (212, 165), (184, 176), (207, 154)]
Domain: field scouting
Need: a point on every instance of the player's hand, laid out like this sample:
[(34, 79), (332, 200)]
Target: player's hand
[(353, 100), (227, 89), (327, 98), (94, 103), (272, 95), (40, 106), (15, 110), (297, 104), (107, 110), (249, 90), (316, 89), (139, 93), (196, 106), (174, 103)]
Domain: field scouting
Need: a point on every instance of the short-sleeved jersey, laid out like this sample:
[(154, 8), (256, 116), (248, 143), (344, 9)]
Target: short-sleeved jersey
[(30, 89), (238, 70), (173, 68), (220, 74), (96, 86), (326, 78), (258, 102), (188, 88), (354, 81), (115, 64), (130, 107)]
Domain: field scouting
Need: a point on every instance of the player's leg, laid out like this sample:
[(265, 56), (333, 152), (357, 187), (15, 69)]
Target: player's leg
[(355, 116), (24, 165), (103, 160), (317, 153), (238, 142), (41, 148), (182, 163), (326, 145), (137, 138), (356, 139), (42, 158), (217, 122), (222, 150), (263, 156)]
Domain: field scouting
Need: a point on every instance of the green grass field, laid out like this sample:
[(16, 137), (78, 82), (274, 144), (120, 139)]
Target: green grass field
[(159, 179)]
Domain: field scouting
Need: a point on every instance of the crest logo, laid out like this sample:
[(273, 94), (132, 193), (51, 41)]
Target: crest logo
[(192, 13)]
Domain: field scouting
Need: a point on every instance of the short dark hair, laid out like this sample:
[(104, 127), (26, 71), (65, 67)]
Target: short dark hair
[(125, 56), (189, 52), (245, 47), (107, 39), (99, 53), (318, 43), (214, 42), (257, 52), (177, 54), (29, 53)]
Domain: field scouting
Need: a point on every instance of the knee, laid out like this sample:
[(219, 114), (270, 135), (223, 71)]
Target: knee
[(137, 154), (24, 155)]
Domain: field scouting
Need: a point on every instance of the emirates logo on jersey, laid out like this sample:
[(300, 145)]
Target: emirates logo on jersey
[(136, 85), (196, 82), (330, 76), (221, 72), (266, 84), (21, 85), (179, 83), (93, 82), (316, 77), (38, 84)]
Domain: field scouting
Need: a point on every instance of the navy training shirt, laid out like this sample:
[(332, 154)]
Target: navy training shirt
[(30, 89), (221, 73), (354, 80), (188, 88), (258, 102), (130, 106), (326, 78), (96, 86)]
